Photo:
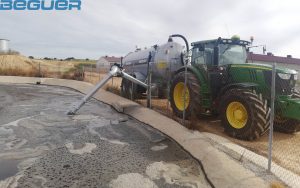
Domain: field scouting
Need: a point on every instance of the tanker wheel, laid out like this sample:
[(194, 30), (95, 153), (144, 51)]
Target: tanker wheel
[(192, 95), (286, 125), (161, 93), (125, 89), (129, 90), (245, 115)]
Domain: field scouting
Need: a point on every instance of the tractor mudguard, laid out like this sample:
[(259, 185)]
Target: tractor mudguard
[(200, 74), (196, 72), (288, 107), (237, 85)]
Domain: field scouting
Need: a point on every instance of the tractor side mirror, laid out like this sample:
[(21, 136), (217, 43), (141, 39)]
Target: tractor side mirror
[(216, 55)]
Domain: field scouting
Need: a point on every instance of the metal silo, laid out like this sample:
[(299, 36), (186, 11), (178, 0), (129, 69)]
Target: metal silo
[(4, 45)]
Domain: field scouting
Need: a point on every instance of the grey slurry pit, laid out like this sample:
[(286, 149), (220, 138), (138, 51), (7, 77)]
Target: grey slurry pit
[(40, 146)]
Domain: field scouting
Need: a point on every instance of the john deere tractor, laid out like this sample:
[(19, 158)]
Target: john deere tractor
[(220, 81)]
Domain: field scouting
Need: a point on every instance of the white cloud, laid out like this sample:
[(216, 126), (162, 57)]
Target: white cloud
[(115, 27)]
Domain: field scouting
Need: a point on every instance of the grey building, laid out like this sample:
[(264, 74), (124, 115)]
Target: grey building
[(105, 62)]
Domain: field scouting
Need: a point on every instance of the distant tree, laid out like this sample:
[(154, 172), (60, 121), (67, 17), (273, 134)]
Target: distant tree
[(69, 59), (31, 57), (55, 58), (87, 59), (47, 58)]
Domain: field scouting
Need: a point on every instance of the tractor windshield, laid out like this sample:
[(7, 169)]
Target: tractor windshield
[(232, 54)]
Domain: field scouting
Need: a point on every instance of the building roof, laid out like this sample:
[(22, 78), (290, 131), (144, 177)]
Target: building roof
[(4, 39), (112, 59), (271, 58)]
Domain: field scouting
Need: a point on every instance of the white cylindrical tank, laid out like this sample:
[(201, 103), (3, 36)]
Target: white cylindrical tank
[(4, 45), (165, 58)]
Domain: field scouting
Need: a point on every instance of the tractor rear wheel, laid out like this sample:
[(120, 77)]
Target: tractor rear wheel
[(245, 115), (192, 104), (285, 125)]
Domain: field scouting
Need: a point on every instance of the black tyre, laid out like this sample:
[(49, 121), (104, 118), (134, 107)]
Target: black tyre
[(245, 114), (193, 98), (130, 90), (161, 93), (288, 126), (125, 89), (284, 125)]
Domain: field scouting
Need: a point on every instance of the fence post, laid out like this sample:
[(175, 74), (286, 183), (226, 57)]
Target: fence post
[(149, 89), (40, 75), (272, 117), (149, 96), (185, 87)]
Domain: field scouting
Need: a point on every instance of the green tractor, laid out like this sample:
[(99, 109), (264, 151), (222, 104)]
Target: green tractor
[(220, 81)]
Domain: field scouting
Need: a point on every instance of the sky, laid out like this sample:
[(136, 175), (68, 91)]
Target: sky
[(116, 27)]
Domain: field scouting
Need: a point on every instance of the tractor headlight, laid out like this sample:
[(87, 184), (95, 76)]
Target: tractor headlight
[(284, 76)]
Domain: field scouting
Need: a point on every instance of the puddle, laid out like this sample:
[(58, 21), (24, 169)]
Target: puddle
[(5, 131), (174, 174), (84, 117), (132, 180), (8, 168), (159, 147), (87, 148), (16, 123)]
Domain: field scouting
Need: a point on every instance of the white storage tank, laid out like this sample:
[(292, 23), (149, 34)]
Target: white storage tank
[(4, 45)]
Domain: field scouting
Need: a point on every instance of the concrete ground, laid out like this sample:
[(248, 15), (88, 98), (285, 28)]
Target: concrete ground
[(40, 146)]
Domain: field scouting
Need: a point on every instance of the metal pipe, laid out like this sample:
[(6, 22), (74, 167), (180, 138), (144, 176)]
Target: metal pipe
[(113, 72), (132, 79), (272, 117)]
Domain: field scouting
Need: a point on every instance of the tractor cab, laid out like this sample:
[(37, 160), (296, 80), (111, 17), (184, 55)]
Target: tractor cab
[(219, 52), (214, 58)]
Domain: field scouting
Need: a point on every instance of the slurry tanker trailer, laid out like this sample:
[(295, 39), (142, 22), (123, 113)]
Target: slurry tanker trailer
[(214, 80)]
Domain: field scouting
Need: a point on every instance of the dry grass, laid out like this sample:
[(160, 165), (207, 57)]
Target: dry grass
[(18, 65), (277, 185), (19, 72), (114, 89)]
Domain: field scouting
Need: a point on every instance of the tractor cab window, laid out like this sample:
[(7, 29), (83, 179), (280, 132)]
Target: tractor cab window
[(232, 54), (198, 56), (203, 54)]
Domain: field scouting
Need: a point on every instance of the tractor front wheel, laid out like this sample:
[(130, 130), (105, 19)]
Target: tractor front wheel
[(245, 115)]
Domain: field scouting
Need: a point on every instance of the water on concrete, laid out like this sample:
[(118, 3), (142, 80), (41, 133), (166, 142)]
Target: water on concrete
[(40, 146)]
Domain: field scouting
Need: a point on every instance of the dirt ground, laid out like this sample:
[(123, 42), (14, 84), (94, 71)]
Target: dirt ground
[(286, 147)]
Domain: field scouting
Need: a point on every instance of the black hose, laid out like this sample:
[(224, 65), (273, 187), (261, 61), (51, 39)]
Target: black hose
[(185, 40)]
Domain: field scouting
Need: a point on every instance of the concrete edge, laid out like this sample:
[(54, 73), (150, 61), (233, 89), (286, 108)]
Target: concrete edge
[(221, 168)]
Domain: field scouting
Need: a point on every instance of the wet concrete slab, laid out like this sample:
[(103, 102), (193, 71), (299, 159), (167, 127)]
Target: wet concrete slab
[(40, 146)]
